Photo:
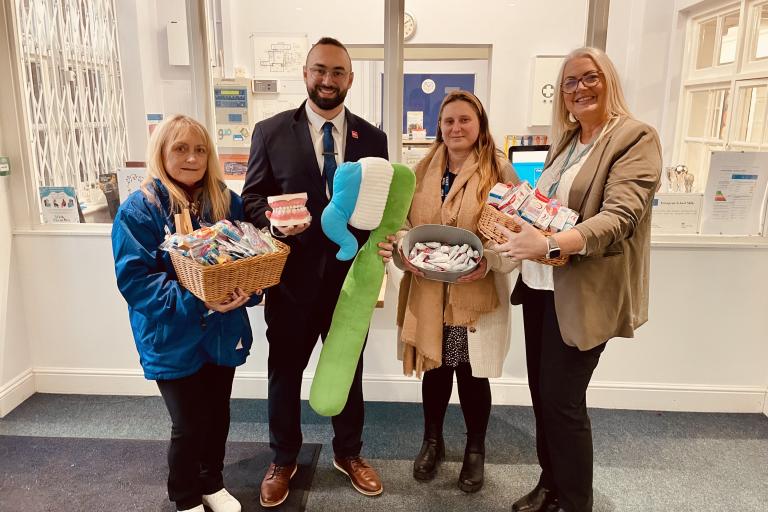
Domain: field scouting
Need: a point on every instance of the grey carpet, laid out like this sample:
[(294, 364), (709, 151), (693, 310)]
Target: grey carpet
[(644, 460), (55, 473)]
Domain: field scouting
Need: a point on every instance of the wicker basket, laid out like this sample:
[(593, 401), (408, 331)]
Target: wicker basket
[(214, 283), (491, 216)]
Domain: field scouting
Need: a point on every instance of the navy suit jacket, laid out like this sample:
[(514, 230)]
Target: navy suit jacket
[(283, 161)]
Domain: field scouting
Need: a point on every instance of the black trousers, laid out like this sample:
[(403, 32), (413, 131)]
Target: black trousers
[(199, 409), (558, 376), (292, 333), (474, 396)]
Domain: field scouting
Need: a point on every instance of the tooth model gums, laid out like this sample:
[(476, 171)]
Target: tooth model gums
[(289, 209)]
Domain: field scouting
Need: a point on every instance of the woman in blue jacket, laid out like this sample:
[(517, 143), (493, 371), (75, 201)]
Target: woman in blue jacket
[(189, 347)]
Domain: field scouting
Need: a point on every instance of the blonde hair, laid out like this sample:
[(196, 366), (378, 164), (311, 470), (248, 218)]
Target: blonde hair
[(214, 196), (615, 103), (485, 148)]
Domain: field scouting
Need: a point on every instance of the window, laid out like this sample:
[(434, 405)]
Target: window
[(74, 106), (716, 43), (725, 90)]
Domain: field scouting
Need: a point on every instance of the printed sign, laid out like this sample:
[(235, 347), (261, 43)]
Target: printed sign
[(129, 180), (59, 205)]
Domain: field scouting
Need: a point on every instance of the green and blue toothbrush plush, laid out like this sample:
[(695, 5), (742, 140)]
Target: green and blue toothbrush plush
[(371, 194)]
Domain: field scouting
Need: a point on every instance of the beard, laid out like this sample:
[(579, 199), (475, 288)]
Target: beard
[(327, 103)]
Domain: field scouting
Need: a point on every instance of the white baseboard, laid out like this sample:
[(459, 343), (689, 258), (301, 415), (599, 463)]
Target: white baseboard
[(91, 381), (16, 391), (676, 397), (397, 388)]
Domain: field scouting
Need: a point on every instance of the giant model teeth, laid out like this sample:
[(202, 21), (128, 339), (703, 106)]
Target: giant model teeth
[(289, 209)]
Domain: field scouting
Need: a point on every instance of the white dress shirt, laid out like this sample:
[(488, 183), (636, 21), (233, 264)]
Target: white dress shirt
[(537, 275), (316, 122)]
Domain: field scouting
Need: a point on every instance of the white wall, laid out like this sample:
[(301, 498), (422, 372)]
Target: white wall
[(15, 362), (151, 84), (645, 41), (16, 379), (703, 348), (517, 33)]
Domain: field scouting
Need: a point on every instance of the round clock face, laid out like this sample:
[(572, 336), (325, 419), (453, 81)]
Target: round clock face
[(409, 26)]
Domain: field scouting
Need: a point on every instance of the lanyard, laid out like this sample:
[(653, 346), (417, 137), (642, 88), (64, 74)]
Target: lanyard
[(446, 183), (567, 164)]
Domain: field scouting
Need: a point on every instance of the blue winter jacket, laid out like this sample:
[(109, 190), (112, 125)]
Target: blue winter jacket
[(174, 332)]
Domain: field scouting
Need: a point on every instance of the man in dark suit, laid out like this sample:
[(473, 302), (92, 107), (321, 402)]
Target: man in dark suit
[(297, 151)]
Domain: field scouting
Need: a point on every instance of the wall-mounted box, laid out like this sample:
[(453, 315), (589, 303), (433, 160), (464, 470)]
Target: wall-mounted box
[(544, 87), (178, 43), (264, 86)]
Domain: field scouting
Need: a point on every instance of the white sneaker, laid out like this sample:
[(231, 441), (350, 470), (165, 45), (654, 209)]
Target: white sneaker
[(198, 508), (221, 501)]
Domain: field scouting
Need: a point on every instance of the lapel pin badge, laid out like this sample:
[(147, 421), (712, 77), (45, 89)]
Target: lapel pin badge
[(354, 134)]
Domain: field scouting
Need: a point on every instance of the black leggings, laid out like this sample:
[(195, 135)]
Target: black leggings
[(474, 396), (199, 410)]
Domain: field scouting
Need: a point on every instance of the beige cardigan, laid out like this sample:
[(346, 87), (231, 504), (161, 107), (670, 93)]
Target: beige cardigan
[(604, 293), (489, 339)]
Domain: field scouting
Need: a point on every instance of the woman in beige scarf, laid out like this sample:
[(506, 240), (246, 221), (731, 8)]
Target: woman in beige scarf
[(460, 328)]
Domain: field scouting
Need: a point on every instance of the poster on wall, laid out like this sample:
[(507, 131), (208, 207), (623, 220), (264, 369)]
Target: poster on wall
[(736, 194), (234, 165), (152, 121), (129, 180), (278, 55), (59, 205), (415, 123)]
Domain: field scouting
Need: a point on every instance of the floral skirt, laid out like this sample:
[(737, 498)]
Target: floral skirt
[(455, 345)]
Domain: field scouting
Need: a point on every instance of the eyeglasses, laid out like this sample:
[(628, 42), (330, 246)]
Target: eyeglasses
[(320, 73), (591, 79)]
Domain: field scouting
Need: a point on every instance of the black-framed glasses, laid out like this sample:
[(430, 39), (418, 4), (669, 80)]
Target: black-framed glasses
[(591, 79), (319, 73)]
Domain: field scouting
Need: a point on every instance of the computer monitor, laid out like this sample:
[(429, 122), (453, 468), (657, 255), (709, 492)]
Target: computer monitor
[(528, 161)]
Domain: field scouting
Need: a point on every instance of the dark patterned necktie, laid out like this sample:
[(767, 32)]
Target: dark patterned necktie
[(329, 157)]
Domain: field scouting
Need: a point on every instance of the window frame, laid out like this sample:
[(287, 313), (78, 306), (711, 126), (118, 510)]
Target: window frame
[(733, 76)]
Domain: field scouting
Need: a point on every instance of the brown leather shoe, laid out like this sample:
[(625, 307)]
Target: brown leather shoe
[(274, 487), (364, 478)]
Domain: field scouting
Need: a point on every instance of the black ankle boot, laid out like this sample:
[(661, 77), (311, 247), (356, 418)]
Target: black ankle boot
[(472, 471), (540, 499), (429, 458)]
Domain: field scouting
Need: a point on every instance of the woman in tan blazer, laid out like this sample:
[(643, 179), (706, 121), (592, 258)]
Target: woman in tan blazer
[(606, 165)]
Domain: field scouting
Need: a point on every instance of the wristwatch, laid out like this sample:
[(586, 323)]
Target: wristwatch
[(553, 250)]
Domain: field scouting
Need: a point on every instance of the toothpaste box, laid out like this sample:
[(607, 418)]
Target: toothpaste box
[(517, 198), (564, 219), (498, 194), (533, 208), (553, 206)]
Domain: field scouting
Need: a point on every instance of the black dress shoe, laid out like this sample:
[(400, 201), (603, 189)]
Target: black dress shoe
[(540, 499), (471, 476), (429, 458)]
